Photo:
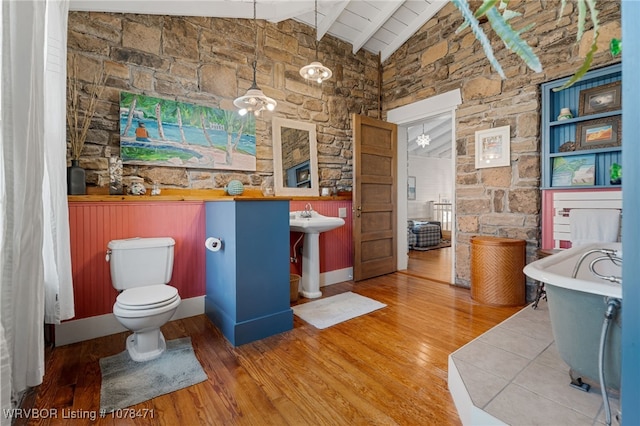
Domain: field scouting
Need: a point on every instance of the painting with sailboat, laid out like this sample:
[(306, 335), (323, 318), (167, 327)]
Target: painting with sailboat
[(165, 132)]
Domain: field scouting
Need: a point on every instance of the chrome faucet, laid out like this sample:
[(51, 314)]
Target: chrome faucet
[(614, 256), (307, 211)]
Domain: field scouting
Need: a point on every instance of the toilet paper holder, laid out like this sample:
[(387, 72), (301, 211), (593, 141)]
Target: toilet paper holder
[(213, 244)]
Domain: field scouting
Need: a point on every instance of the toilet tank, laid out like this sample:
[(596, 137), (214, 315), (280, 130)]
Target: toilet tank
[(138, 262)]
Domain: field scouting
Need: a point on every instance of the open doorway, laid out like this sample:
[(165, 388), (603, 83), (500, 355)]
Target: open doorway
[(412, 115), (430, 185)]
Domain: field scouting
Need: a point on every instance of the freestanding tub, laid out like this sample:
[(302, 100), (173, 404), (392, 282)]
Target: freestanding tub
[(577, 310)]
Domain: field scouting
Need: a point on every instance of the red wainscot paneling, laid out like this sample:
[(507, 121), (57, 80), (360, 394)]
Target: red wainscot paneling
[(336, 246), (94, 224)]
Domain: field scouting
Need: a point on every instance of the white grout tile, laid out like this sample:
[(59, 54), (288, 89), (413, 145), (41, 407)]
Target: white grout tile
[(481, 386), (489, 358), (515, 373), (552, 359), (554, 385), (534, 323), (516, 405), (517, 343)]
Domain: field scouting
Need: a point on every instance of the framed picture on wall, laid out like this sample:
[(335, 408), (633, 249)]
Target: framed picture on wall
[(302, 175), (607, 97), (411, 188), (575, 170), (599, 133), (493, 147)]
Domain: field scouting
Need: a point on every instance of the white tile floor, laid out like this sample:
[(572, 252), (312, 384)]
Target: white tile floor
[(513, 375)]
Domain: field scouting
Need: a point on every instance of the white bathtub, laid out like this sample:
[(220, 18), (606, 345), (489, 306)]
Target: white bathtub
[(577, 307)]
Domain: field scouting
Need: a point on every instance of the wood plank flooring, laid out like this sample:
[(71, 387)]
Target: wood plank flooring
[(432, 264), (387, 367)]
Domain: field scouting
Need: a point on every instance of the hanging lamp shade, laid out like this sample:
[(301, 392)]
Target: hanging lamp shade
[(423, 139), (254, 100), (315, 70)]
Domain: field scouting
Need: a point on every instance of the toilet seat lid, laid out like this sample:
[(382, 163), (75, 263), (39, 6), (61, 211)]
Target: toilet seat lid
[(147, 297)]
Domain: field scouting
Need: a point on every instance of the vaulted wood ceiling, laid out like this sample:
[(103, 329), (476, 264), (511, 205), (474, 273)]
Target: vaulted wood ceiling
[(377, 26)]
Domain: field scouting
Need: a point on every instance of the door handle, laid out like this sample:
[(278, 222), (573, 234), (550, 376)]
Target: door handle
[(358, 211)]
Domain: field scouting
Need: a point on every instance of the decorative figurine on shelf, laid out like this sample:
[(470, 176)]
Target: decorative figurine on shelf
[(565, 114), (567, 146), (267, 186), (115, 176), (136, 187), (234, 187), (615, 174)]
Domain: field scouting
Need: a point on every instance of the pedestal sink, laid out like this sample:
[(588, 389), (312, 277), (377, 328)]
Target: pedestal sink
[(312, 224)]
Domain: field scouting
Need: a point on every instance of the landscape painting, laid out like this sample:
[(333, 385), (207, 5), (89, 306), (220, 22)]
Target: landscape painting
[(577, 170), (165, 132)]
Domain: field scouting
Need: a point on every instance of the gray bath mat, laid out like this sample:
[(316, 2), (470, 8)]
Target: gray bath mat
[(126, 382), (332, 310)]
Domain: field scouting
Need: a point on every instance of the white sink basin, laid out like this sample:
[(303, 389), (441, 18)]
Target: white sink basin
[(313, 225)]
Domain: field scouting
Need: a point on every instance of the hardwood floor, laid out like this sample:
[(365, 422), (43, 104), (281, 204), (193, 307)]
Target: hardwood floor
[(433, 264), (387, 367)]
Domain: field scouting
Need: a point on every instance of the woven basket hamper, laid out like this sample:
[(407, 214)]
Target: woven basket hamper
[(294, 286), (496, 271)]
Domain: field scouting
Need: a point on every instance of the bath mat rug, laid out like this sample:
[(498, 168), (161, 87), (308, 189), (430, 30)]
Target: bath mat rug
[(443, 244), (332, 310), (126, 382)]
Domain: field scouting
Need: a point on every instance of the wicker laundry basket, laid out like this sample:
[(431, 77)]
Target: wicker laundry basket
[(496, 271), (294, 287)]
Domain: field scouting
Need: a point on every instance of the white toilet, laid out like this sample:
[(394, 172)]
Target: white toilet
[(141, 269)]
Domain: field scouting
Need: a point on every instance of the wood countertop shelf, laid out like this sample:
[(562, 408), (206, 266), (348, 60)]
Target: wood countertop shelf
[(169, 194)]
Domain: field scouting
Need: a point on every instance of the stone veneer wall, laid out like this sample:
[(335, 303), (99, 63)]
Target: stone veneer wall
[(201, 60), (207, 61), (293, 151), (501, 201)]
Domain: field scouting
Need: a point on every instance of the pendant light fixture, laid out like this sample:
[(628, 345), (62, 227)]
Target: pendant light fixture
[(254, 100), (423, 139), (315, 70)]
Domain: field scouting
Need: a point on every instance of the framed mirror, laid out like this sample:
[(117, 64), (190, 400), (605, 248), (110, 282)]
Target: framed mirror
[(295, 158)]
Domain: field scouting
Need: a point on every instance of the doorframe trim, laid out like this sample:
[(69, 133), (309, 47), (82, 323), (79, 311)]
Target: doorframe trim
[(401, 116)]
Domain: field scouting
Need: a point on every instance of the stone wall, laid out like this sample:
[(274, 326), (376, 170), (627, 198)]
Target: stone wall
[(208, 61), (296, 147), (502, 201)]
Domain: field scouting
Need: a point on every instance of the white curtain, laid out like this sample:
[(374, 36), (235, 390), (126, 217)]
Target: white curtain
[(56, 250), (26, 217)]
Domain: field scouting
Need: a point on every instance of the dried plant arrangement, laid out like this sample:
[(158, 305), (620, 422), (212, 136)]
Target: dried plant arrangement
[(79, 118)]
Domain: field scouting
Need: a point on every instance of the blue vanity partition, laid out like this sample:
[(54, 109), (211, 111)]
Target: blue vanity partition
[(247, 281)]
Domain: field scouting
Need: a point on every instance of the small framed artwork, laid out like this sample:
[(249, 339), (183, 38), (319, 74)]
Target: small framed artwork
[(411, 188), (607, 97), (493, 147), (600, 133), (302, 175), (575, 170)]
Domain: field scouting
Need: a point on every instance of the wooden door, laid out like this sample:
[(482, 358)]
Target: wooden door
[(374, 196)]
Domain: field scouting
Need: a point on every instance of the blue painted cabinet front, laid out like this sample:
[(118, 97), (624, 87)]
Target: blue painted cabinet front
[(247, 281)]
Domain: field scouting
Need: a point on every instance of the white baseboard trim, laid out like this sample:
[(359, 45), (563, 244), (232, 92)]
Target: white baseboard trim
[(337, 276), (103, 325)]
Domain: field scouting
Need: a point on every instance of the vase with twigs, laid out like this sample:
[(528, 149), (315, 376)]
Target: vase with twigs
[(80, 113)]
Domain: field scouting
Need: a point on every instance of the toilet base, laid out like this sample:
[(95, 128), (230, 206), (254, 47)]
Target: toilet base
[(145, 346)]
